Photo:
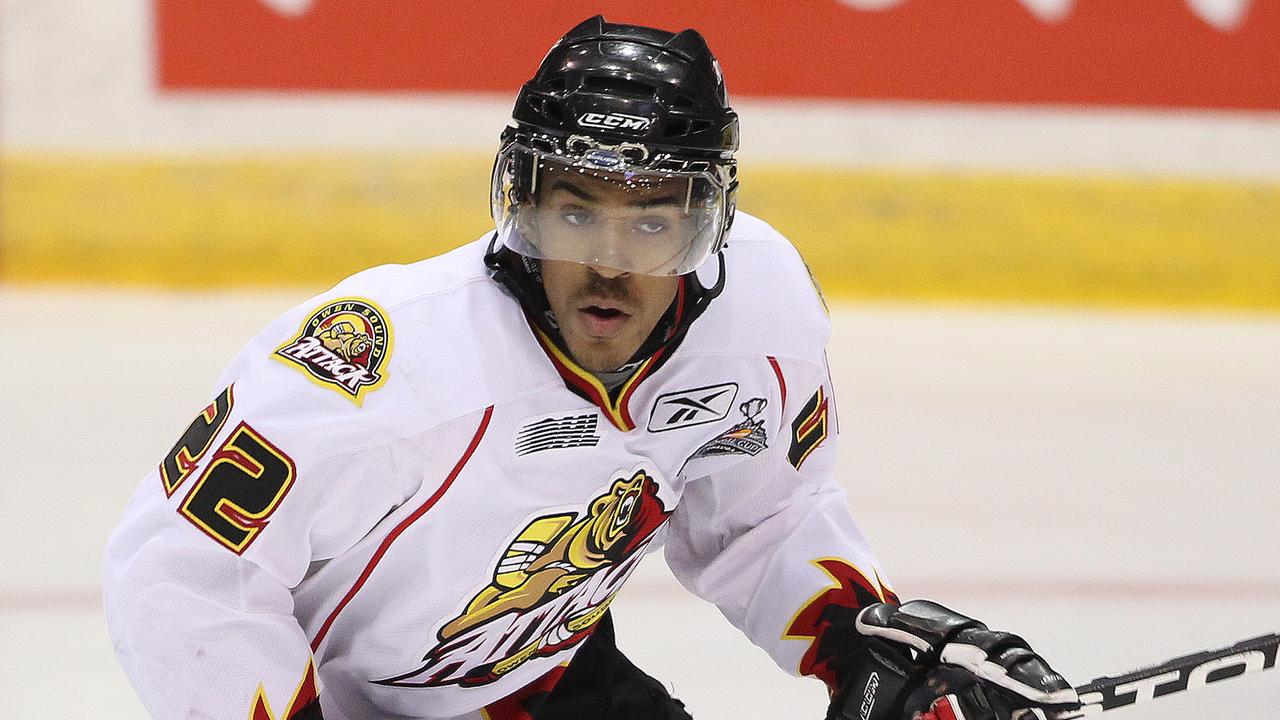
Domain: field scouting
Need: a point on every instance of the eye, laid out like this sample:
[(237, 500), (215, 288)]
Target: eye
[(623, 515), (576, 215), (652, 225)]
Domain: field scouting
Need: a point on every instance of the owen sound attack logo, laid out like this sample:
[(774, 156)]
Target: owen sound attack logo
[(342, 345), (550, 586)]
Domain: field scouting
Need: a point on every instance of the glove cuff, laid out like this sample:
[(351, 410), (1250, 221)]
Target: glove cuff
[(877, 684)]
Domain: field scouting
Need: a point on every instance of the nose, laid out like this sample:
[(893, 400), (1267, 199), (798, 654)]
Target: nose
[(613, 242), (606, 272)]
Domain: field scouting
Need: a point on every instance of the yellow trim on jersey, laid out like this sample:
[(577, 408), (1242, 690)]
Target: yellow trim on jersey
[(886, 590), (802, 434), (613, 409), (260, 701)]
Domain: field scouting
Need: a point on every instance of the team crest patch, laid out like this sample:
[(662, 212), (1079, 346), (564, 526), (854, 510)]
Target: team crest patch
[(745, 438), (343, 345)]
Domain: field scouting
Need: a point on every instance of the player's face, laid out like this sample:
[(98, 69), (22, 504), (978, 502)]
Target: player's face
[(605, 314), (601, 208)]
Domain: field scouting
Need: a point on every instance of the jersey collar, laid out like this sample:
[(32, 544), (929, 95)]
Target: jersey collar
[(520, 277), (614, 403)]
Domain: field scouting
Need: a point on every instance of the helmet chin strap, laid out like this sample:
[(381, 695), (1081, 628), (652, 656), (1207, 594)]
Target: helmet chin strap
[(674, 325)]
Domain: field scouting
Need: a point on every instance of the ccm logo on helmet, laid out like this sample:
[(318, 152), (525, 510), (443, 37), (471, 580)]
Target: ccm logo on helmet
[(614, 121)]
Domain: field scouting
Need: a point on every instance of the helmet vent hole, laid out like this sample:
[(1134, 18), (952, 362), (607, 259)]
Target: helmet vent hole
[(677, 127), (545, 106), (618, 86)]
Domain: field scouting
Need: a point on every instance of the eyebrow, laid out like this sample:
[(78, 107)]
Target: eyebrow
[(574, 190), (562, 184)]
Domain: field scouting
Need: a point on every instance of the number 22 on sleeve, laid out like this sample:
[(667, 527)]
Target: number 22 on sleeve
[(244, 483)]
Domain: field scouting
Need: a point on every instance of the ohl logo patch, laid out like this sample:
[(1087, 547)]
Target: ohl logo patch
[(343, 345)]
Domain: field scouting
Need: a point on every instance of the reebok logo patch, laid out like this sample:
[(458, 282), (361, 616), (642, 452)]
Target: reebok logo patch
[(692, 407)]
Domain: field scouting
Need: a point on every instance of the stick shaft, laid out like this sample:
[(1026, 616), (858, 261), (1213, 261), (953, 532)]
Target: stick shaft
[(1173, 676)]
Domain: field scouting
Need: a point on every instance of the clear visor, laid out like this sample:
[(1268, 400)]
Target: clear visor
[(598, 209)]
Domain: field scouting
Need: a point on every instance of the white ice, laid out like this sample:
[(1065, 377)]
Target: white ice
[(1106, 484)]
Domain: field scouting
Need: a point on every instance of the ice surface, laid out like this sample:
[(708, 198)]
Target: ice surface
[(1105, 484)]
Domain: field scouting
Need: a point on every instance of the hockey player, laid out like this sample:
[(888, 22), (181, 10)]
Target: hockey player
[(415, 495)]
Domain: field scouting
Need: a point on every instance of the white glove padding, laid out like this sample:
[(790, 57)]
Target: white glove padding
[(920, 659)]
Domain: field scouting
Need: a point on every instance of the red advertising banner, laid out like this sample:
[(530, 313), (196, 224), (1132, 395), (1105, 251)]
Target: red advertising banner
[(1131, 53)]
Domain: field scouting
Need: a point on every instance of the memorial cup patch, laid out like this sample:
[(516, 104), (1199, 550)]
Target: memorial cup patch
[(343, 345), (748, 437)]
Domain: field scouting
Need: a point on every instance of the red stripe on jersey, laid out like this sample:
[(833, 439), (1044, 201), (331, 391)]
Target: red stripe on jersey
[(782, 384), (675, 324), (395, 533), (849, 588)]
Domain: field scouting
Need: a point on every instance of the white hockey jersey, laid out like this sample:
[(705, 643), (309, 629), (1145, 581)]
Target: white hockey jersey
[(405, 500)]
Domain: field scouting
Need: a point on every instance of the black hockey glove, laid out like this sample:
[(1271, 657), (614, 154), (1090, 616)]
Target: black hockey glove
[(921, 660)]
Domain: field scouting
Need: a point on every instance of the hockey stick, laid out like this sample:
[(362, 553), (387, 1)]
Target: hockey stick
[(1174, 676)]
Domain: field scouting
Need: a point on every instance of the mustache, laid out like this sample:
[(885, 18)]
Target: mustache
[(603, 288)]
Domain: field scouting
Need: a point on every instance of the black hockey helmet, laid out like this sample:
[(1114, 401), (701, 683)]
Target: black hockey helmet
[(631, 84), (642, 113), (639, 107)]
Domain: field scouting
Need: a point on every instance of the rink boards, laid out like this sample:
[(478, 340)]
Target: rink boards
[(312, 218)]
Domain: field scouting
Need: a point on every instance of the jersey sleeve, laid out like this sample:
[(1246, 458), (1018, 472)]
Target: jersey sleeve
[(771, 541), (267, 481)]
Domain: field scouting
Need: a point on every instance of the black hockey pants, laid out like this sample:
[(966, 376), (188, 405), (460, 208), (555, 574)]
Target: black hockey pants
[(601, 682)]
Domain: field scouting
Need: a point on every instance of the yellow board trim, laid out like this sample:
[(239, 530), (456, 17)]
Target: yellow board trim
[(311, 219)]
